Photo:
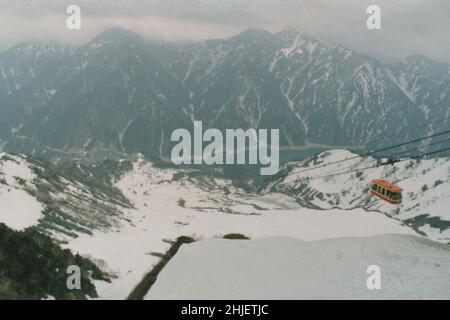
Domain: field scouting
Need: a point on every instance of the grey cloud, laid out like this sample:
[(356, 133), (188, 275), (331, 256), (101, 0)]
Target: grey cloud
[(409, 26)]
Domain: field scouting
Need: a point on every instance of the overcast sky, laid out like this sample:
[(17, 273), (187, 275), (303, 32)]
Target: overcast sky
[(408, 26)]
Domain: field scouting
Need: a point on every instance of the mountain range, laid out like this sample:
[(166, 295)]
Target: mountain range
[(121, 94), (115, 102)]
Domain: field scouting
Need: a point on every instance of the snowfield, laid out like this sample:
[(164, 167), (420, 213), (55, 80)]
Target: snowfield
[(286, 268), (426, 185), (207, 213), (128, 229), (18, 209)]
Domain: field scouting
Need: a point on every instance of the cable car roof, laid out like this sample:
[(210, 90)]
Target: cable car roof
[(387, 185)]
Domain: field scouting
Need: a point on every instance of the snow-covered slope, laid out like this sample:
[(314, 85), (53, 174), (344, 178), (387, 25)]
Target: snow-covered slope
[(426, 184), (62, 201), (124, 226), (169, 203), (18, 209), (284, 268)]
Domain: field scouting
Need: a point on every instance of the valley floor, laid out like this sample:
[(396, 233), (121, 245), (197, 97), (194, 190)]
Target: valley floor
[(124, 229), (206, 213)]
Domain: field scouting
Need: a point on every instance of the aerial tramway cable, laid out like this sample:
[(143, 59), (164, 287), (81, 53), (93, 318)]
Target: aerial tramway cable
[(377, 151), (423, 125), (415, 149), (393, 159), (365, 168)]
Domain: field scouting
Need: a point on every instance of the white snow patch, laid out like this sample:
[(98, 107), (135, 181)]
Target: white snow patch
[(206, 213), (19, 210), (284, 268)]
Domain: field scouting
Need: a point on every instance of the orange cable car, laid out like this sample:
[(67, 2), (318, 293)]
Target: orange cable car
[(386, 191)]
